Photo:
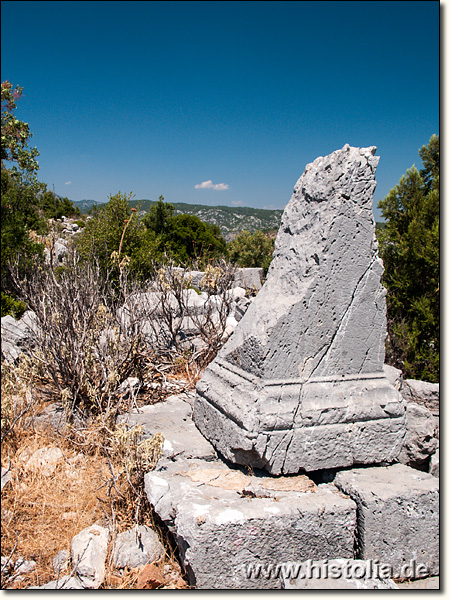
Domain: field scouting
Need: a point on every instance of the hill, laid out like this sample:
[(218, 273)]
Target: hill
[(86, 205), (230, 219)]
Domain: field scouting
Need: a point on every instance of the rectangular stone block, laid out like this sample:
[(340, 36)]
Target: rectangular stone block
[(398, 516), (173, 419), (227, 522)]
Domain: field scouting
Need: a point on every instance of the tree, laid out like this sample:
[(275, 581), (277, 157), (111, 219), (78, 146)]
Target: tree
[(188, 238), (182, 237), (19, 195), (157, 218), (409, 247), (113, 234), (16, 134), (53, 207), (252, 249)]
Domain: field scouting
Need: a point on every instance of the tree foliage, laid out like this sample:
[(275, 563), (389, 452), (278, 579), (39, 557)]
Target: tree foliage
[(19, 190), (114, 234), (16, 134), (189, 238), (252, 250), (26, 205), (409, 247)]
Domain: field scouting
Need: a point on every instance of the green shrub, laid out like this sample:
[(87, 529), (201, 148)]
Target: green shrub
[(252, 250), (10, 306)]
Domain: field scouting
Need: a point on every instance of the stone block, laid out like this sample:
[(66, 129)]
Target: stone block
[(249, 278), (398, 515), (227, 522), (173, 419), (300, 385), (17, 336)]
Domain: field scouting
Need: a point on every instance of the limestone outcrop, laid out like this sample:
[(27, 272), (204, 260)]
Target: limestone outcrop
[(300, 385)]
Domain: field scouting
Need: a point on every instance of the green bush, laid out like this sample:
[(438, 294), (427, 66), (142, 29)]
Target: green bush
[(10, 306), (252, 250)]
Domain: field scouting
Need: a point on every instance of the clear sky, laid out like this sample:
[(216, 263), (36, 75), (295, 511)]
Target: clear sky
[(219, 102)]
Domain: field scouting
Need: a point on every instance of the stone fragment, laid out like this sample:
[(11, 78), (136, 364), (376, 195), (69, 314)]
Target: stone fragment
[(241, 307), (129, 387), (150, 578), (6, 476), (136, 547), (60, 562), (17, 336), (421, 436), (249, 278), (22, 566), (89, 548), (337, 574), (58, 253), (422, 392), (434, 464), (173, 419), (237, 292), (226, 522), (300, 384), (45, 460), (398, 517)]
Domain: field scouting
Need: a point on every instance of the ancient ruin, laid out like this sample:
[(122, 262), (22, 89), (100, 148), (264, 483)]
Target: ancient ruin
[(300, 385)]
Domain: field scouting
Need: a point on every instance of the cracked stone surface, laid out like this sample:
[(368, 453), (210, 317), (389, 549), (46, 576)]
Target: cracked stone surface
[(398, 516), (227, 521), (300, 384)]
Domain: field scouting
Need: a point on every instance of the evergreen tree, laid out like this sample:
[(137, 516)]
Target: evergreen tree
[(409, 247), (157, 218)]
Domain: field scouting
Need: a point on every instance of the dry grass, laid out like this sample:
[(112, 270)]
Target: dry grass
[(42, 511), (45, 511)]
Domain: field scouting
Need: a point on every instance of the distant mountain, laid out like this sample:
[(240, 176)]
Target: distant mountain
[(230, 219), (86, 205)]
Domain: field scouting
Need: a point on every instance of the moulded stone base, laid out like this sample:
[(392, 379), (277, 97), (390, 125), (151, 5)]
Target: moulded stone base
[(292, 425)]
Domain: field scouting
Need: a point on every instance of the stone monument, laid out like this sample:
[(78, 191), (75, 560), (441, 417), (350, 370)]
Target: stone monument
[(300, 384)]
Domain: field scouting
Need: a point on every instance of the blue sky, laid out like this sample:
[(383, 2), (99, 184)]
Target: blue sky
[(219, 102)]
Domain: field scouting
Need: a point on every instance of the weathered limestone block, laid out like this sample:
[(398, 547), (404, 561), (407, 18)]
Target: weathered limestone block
[(398, 516), (17, 336), (249, 278), (421, 436), (228, 523), (300, 384), (173, 419), (415, 390)]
